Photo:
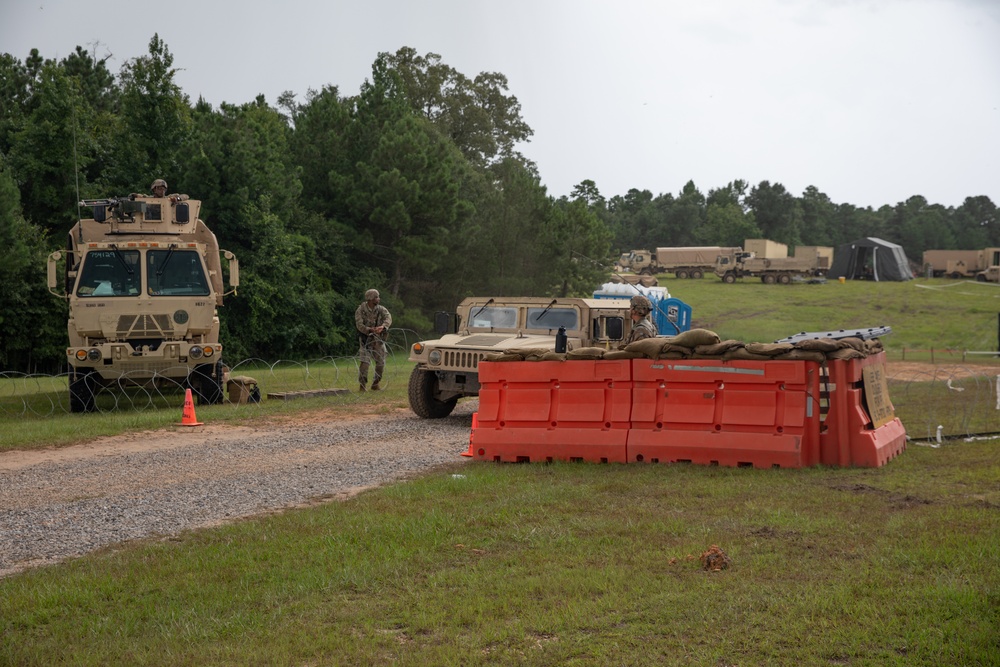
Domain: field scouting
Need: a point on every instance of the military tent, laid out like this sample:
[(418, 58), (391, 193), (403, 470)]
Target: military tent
[(870, 259)]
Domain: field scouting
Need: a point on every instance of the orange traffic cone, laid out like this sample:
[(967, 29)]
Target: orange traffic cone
[(475, 424), (188, 419)]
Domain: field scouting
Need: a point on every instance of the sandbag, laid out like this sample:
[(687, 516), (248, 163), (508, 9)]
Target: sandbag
[(718, 349), (528, 351), (769, 349), (622, 354), (586, 353), (695, 337), (845, 353), (742, 354), (802, 355), (503, 356), (650, 348), (553, 356), (853, 343), (670, 348), (819, 344)]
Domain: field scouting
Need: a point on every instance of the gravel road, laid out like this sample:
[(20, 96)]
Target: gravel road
[(60, 503)]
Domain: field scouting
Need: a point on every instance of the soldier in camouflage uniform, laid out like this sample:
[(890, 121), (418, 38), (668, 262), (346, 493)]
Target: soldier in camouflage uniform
[(372, 321), (642, 325)]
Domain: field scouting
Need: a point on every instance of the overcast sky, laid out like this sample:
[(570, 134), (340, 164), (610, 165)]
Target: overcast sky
[(871, 101)]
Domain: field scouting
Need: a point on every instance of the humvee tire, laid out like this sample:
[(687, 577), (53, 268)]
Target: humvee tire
[(729, 278), (206, 388), (81, 391), (421, 395)]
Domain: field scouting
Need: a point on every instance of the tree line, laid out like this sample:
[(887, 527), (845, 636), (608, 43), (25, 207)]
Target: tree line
[(414, 185)]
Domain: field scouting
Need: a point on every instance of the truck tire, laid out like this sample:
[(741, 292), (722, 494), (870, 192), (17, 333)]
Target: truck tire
[(205, 382), (767, 279), (682, 274), (697, 274), (784, 278), (81, 391), (646, 271), (421, 394), (729, 278)]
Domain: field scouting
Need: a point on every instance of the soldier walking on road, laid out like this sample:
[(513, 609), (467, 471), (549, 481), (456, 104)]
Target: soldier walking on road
[(372, 321)]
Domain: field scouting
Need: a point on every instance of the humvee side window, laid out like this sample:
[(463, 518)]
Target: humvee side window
[(493, 318), (109, 273), (609, 328), (174, 272), (552, 318)]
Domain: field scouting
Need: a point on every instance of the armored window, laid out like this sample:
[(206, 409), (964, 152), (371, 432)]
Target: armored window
[(552, 318), (109, 272), (153, 212), (173, 272)]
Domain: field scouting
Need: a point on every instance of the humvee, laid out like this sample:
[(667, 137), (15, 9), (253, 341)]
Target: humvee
[(447, 368), (143, 279)]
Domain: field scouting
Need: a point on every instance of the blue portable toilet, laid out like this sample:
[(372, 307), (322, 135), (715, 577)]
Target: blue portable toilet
[(671, 316)]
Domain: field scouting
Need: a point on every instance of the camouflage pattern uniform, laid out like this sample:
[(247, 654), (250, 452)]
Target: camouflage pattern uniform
[(644, 328), (372, 344)]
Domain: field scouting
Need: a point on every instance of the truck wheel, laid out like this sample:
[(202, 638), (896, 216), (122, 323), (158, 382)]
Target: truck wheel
[(767, 279), (784, 278), (980, 278), (81, 391), (646, 272), (697, 275), (729, 278), (205, 382), (421, 394), (682, 274)]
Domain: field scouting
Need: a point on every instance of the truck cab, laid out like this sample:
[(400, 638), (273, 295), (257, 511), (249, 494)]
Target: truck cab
[(143, 279)]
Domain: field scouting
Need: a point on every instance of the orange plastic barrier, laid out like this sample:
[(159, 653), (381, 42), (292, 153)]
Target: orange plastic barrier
[(860, 428), (788, 413), (551, 410), (732, 413)]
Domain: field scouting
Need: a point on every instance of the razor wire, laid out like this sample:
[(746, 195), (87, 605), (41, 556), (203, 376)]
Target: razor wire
[(952, 400), (47, 395)]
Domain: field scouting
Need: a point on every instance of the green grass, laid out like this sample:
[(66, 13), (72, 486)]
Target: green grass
[(570, 564), (923, 313)]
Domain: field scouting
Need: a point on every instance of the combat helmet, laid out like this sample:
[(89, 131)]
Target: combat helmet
[(641, 304)]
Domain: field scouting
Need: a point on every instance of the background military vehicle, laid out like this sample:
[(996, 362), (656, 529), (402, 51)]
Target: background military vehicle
[(143, 279), (447, 368)]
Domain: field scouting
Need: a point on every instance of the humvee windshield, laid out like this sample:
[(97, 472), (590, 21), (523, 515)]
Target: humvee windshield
[(552, 318), (173, 272), (109, 273), (493, 318)]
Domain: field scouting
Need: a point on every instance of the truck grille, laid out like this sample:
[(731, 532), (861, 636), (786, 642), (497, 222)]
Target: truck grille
[(460, 359), (144, 326)]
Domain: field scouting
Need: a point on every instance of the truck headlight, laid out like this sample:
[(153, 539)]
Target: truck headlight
[(209, 351), (94, 354), (81, 354), (434, 357), (195, 352)]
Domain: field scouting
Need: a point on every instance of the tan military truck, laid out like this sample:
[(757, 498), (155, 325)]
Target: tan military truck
[(782, 270), (448, 368), (143, 278)]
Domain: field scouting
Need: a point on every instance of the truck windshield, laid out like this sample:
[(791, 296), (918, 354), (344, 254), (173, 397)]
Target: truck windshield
[(109, 273), (493, 318), (175, 272), (552, 318)]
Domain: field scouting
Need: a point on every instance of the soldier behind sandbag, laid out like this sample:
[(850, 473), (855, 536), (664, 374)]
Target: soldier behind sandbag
[(642, 325), (372, 321)]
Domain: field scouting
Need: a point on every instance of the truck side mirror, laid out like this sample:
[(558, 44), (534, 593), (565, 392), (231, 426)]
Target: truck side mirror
[(445, 323), (234, 269)]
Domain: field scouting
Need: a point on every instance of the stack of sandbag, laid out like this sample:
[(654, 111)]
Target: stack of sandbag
[(705, 344)]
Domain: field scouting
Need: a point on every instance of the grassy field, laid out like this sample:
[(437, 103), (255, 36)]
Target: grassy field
[(568, 564)]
